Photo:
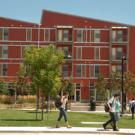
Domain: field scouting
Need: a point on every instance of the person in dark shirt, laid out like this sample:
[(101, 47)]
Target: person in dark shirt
[(132, 107)]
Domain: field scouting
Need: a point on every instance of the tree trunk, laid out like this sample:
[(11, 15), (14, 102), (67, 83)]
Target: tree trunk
[(48, 106), (37, 103), (47, 103), (42, 115)]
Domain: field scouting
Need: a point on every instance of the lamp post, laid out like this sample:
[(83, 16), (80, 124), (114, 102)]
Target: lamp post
[(122, 83)]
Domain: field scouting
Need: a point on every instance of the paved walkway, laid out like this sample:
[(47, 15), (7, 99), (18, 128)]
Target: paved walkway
[(62, 130)]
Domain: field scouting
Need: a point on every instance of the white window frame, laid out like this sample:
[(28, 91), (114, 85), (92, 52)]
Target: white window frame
[(97, 39), (27, 30), (48, 31), (95, 53), (81, 38), (78, 57), (66, 32), (4, 47), (93, 66), (3, 31)]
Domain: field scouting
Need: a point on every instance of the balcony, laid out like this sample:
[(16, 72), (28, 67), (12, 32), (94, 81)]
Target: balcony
[(64, 35)]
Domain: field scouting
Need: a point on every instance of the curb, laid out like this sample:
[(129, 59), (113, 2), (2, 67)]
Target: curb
[(74, 130)]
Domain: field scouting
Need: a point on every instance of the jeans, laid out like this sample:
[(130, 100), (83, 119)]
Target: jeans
[(112, 120), (133, 111), (62, 113)]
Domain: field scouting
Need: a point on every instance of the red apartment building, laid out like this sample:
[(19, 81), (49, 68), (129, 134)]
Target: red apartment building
[(91, 47)]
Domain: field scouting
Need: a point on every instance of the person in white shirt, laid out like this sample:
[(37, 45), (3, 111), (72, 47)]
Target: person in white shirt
[(62, 110), (112, 103)]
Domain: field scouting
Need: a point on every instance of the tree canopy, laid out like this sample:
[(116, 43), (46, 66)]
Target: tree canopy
[(43, 67)]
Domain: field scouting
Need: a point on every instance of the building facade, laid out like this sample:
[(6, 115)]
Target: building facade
[(91, 47)]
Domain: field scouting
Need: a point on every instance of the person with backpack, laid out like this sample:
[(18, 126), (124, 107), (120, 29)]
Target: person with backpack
[(113, 104), (132, 107), (62, 110)]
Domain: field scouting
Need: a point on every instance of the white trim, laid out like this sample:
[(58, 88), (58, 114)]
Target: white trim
[(92, 46), (92, 42), (27, 27), (83, 28), (119, 27), (10, 62), (20, 41), (93, 64), (80, 78), (62, 26)]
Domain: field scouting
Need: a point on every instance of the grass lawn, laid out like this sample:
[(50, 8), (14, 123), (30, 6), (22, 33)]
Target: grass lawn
[(11, 117)]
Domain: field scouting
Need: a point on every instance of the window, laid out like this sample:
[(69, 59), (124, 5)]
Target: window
[(59, 35), (4, 51), (117, 36), (65, 70), (47, 34), (4, 70), (79, 36), (94, 70), (78, 70), (28, 34), (113, 53), (116, 68), (1, 33), (5, 34), (91, 70), (113, 36), (66, 52), (92, 90), (117, 53), (65, 35), (96, 35), (97, 53), (78, 53), (78, 86)]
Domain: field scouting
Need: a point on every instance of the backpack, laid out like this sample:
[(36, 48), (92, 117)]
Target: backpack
[(58, 102), (133, 105), (106, 107)]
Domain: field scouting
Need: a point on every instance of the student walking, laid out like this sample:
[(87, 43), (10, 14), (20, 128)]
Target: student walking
[(132, 107), (118, 111), (62, 110), (113, 104)]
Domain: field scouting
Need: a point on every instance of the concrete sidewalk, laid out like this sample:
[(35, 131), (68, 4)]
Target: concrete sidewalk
[(62, 130)]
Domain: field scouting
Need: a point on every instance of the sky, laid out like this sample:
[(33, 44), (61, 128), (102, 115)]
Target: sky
[(122, 11)]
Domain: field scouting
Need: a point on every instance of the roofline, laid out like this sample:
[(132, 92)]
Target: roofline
[(44, 10), (19, 20)]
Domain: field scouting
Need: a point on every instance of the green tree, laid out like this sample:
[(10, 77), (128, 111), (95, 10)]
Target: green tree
[(129, 83), (101, 88), (43, 68), (3, 87), (68, 85), (114, 83)]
